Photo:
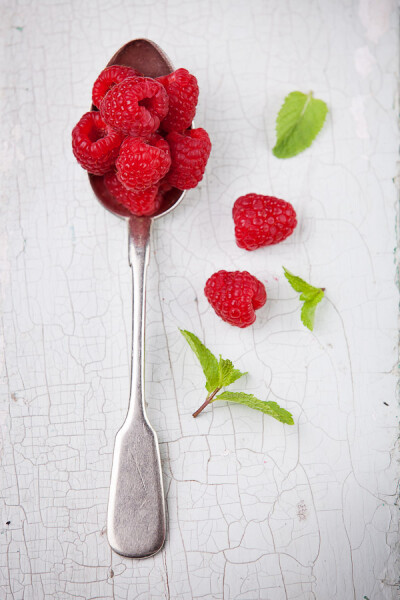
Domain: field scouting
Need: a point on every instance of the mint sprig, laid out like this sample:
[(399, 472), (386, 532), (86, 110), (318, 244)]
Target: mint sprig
[(298, 123), (310, 295), (221, 373), (218, 373)]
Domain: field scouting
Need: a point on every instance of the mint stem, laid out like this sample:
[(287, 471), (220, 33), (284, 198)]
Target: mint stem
[(206, 402)]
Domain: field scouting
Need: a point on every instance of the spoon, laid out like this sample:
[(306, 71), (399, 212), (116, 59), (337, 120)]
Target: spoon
[(136, 512)]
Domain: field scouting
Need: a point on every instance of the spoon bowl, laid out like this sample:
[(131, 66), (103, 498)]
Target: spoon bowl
[(147, 58)]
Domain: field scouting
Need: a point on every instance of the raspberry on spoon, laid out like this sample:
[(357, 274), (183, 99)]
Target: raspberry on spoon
[(189, 155), (94, 144), (141, 204), (109, 77), (141, 164), (183, 93), (135, 106)]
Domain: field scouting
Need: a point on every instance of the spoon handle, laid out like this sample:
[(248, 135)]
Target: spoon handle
[(136, 512)]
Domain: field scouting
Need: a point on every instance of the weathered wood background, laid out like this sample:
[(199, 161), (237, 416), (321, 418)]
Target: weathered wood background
[(256, 510)]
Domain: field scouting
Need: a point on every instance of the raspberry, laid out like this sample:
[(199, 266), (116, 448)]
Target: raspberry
[(141, 164), (235, 296), (109, 77), (189, 156), (135, 106), (164, 186), (94, 144), (144, 203), (262, 221), (183, 93)]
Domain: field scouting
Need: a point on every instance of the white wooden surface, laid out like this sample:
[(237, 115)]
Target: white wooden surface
[(256, 510)]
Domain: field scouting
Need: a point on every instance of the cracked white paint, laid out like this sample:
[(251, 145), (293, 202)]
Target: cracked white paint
[(364, 61), (357, 110), (256, 510)]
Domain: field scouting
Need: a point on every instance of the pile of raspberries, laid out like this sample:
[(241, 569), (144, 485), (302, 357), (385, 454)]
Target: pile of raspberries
[(140, 138)]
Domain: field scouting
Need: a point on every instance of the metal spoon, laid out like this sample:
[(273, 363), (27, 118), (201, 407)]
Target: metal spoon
[(136, 511)]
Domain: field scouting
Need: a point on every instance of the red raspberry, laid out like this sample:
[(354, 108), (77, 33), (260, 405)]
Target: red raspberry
[(141, 164), (135, 106), (189, 156), (144, 203), (183, 93), (235, 296), (94, 144), (164, 186), (109, 77), (262, 221)]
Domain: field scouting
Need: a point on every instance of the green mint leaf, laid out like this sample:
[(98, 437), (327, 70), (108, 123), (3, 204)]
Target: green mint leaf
[(269, 408), (310, 295), (307, 313), (299, 120), (227, 372), (208, 361)]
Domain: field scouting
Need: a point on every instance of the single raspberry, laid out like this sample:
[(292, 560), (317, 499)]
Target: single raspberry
[(235, 295), (141, 164), (144, 203), (94, 144), (189, 155), (135, 106), (183, 93), (262, 221), (109, 77)]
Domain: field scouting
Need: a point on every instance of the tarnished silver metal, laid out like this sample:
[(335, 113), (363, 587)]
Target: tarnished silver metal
[(136, 512)]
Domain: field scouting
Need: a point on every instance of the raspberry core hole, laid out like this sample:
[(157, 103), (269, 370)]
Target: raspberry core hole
[(96, 133), (146, 103)]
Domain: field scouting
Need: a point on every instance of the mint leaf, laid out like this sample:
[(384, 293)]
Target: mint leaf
[(269, 408), (227, 372), (208, 362), (310, 295), (220, 373), (299, 120)]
